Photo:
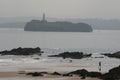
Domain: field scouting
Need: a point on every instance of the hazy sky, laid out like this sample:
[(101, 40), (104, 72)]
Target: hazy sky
[(61, 8)]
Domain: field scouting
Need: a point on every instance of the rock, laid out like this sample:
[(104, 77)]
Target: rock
[(67, 75), (79, 72), (94, 74), (73, 55), (56, 73), (22, 51), (107, 76), (35, 74), (113, 74), (44, 72), (113, 55), (84, 73)]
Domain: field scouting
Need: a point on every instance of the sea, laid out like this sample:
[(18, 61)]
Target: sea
[(96, 42)]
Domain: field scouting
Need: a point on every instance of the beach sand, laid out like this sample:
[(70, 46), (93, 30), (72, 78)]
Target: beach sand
[(16, 74), (10, 68)]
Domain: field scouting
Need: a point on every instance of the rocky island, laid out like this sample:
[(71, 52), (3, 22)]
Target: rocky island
[(59, 26), (73, 55), (22, 51)]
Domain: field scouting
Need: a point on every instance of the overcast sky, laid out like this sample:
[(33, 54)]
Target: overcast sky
[(61, 8)]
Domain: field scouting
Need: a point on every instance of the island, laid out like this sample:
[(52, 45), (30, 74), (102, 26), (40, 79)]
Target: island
[(22, 51), (58, 26), (72, 55)]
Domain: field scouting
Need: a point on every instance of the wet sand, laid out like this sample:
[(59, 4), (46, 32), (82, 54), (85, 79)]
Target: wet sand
[(16, 74), (11, 74)]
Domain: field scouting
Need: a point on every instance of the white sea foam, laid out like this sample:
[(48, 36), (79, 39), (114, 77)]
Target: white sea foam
[(58, 64)]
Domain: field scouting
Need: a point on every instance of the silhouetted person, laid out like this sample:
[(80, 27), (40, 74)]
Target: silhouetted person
[(99, 67)]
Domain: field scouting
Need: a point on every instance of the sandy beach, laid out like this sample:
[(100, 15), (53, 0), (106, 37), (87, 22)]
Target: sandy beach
[(12, 68), (16, 74), (11, 74)]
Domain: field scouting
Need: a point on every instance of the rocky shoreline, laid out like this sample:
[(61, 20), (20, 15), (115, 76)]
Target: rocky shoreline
[(38, 51), (113, 74), (113, 55), (82, 73)]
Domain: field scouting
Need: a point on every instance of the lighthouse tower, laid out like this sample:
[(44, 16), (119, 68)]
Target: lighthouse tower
[(43, 20)]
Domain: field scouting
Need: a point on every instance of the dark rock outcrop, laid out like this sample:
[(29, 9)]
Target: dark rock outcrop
[(34, 74), (84, 73), (79, 72), (67, 75), (113, 55), (113, 74), (56, 73), (73, 55), (94, 74), (22, 51)]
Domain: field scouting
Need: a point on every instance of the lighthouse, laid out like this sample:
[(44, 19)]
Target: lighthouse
[(43, 20)]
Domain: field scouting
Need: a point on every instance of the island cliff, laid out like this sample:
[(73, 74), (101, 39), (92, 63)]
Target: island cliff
[(43, 25)]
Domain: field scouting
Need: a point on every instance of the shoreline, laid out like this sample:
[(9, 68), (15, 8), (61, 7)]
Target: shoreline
[(18, 75), (57, 68)]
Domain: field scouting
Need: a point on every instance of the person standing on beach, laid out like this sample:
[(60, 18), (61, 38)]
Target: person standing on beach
[(99, 67)]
